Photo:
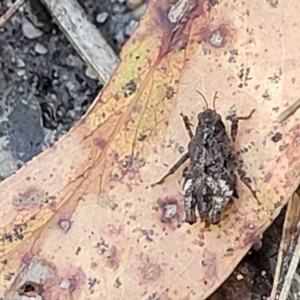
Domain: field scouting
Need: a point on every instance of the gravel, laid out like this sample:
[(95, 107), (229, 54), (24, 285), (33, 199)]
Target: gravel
[(45, 86)]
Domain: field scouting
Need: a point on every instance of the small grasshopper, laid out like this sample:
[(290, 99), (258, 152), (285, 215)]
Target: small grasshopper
[(210, 180)]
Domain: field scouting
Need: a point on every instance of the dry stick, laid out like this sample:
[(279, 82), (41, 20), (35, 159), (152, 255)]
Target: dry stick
[(289, 251), (84, 36), (10, 12), (289, 111)]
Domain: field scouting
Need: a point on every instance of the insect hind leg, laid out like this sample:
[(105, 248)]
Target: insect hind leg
[(245, 180), (175, 167), (234, 130), (189, 200)]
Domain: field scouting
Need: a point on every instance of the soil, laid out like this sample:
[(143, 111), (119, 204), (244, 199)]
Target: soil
[(45, 89)]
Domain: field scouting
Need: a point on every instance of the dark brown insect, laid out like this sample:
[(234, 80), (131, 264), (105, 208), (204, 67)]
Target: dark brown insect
[(210, 181)]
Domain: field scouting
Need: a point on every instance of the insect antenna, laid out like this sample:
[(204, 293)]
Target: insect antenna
[(205, 101), (214, 101)]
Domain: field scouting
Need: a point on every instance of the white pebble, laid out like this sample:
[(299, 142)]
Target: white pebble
[(251, 226), (89, 72), (20, 63), (65, 283), (130, 27), (239, 277), (21, 73), (30, 31), (102, 17), (40, 49)]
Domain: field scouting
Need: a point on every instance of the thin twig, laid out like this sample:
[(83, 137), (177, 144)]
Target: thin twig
[(84, 36), (288, 256), (10, 12)]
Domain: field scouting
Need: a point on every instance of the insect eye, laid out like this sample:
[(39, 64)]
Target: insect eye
[(200, 116)]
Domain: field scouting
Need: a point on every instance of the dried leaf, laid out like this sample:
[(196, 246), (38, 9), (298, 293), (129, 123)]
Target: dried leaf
[(80, 221)]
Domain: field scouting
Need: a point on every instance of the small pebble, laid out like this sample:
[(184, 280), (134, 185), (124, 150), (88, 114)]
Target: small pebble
[(216, 39), (21, 73), (118, 9), (65, 225), (130, 27), (20, 63), (40, 49), (251, 226), (132, 4), (181, 149), (137, 13), (119, 37), (89, 72), (65, 283), (239, 277), (170, 210), (74, 61), (102, 17), (30, 31)]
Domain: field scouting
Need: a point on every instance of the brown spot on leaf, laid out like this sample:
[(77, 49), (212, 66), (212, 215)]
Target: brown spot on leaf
[(251, 236), (209, 262), (213, 2), (117, 283), (77, 280), (169, 210), (267, 177), (113, 230), (151, 271), (129, 88), (276, 137), (30, 289), (64, 224), (129, 167), (170, 93), (107, 202), (31, 198), (217, 37), (273, 3), (112, 258), (142, 137), (100, 142), (138, 107), (176, 19), (117, 97)]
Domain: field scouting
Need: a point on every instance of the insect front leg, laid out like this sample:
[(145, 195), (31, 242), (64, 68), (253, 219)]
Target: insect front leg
[(235, 123), (177, 165)]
